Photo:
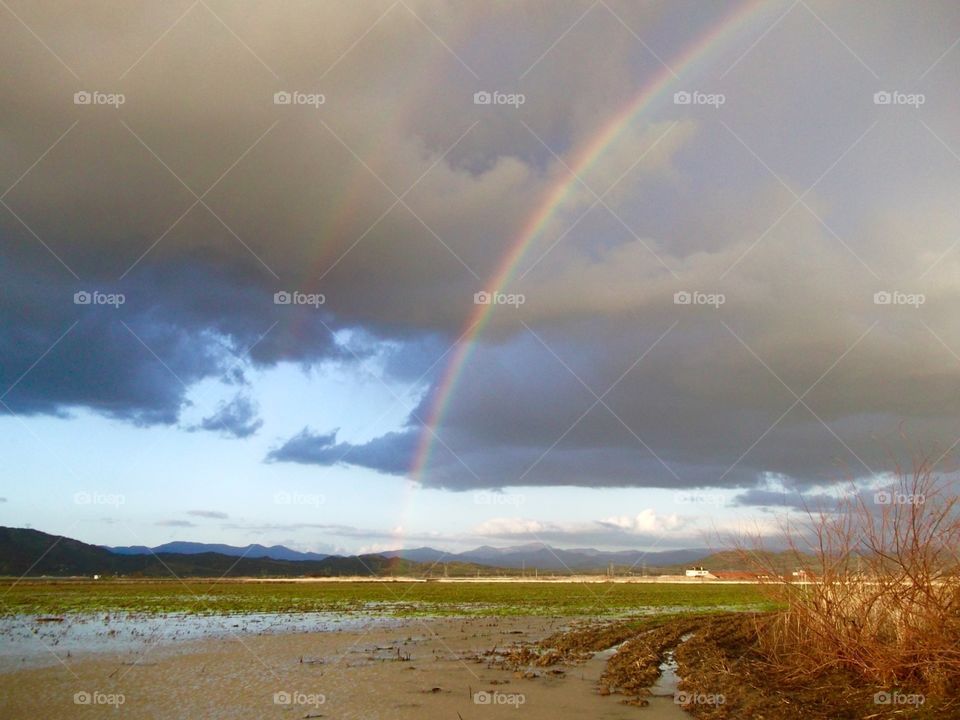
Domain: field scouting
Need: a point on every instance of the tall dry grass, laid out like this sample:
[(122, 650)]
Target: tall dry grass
[(881, 595)]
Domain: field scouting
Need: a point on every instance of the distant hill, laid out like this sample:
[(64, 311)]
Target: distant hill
[(275, 552), (31, 552), (421, 554), (783, 562)]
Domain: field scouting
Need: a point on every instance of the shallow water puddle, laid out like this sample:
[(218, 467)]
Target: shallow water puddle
[(661, 705), (666, 684), (31, 641)]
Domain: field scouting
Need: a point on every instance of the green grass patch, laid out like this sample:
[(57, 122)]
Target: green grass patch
[(389, 597)]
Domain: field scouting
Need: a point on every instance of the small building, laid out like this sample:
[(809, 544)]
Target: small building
[(697, 572)]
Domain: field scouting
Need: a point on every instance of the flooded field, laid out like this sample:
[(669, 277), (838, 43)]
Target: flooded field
[(407, 668), (391, 649), (393, 597), (39, 640), (49, 620)]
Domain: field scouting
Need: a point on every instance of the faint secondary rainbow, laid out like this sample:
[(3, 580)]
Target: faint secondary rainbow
[(696, 55)]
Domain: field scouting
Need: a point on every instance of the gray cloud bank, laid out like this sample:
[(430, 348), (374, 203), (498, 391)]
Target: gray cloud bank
[(601, 377)]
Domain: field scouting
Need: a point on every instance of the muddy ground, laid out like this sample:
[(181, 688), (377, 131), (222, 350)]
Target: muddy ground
[(431, 668), (706, 667)]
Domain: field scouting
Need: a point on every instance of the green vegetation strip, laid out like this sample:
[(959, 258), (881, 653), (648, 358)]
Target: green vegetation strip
[(54, 597)]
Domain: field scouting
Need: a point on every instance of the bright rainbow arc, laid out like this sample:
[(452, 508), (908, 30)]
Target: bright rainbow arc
[(708, 44)]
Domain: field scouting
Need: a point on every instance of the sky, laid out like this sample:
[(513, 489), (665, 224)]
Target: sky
[(356, 276)]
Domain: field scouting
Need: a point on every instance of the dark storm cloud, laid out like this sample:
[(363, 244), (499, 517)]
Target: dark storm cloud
[(198, 282), (307, 447), (237, 418), (110, 358), (390, 453), (417, 359), (799, 373), (136, 359), (796, 500)]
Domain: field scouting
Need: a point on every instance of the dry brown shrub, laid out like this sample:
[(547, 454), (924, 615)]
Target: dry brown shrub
[(880, 593)]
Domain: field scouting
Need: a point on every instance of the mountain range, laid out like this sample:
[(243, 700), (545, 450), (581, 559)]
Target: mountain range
[(26, 551), (531, 555), (274, 552)]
